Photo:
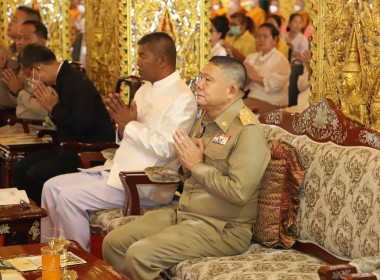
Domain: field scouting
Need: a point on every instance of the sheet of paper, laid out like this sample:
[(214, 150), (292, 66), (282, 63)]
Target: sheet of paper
[(9, 196), (11, 274), (34, 262)]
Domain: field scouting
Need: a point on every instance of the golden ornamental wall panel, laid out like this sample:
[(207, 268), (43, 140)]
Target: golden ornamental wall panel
[(55, 15), (102, 33), (346, 58)]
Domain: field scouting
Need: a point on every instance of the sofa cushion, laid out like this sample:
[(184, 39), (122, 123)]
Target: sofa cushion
[(339, 203), (278, 197), (258, 263), (340, 207)]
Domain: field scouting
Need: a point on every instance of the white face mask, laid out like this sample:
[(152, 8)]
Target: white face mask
[(32, 81), (273, 9), (297, 8), (81, 9), (216, 7)]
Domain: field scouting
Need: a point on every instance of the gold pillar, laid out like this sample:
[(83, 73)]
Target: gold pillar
[(346, 58), (55, 15)]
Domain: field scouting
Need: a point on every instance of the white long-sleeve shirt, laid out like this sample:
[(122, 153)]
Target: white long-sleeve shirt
[(162, 108), (275, 70)]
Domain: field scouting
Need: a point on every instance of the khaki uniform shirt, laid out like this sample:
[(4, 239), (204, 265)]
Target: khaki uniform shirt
[(224, 188)]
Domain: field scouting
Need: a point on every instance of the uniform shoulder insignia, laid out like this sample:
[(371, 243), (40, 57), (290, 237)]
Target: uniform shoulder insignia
[(246, 117)]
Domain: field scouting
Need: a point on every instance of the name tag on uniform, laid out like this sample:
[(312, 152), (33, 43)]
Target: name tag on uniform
[(221, 138)]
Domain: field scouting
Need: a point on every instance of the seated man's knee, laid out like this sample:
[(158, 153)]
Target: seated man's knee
[(140, 251)]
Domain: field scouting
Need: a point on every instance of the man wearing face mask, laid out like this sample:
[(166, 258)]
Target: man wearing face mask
[(75, 107), (274, 9), (241, 43), (27, 104)]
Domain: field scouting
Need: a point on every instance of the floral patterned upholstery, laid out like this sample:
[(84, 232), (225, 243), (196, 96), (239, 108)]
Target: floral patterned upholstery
[(258, 263), (339, 208), (104, 221)]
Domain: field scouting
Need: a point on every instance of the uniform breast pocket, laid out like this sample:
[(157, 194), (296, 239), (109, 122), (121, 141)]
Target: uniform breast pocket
[(217, 155)]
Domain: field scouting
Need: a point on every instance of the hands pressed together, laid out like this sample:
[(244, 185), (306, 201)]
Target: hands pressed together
[(13, 81), (47, 97), (120, 112), (188, 153)]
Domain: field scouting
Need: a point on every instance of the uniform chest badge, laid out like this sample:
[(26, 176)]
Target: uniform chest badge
[(221, 138)]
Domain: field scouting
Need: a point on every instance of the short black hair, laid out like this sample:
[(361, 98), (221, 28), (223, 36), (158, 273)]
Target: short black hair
[(233, 68), (277, 18), (221, 25), (273, 30), (160, 43), (40, 28), (31, 14), (35, 53)]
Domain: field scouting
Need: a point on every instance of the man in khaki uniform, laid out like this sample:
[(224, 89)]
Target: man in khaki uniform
[(223, 163), (9, 85)]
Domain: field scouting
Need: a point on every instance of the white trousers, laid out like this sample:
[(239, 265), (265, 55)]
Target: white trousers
[(67, 198)]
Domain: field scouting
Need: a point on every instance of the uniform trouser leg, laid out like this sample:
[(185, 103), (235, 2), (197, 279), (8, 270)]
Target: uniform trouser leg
[(166, 244)]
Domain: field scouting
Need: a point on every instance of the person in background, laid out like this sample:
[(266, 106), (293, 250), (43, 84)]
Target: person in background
[(218, 31), (268, 72), (303, 84), (27, 105), (274, 9), (299, 8), (21, 14), (257, 14), (241, 43), (251, 26), (296, 41), (75, 107), (281, 45), (222, 164)]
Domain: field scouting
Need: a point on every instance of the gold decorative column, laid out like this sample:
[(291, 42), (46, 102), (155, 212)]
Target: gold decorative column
[(346, 58), (55, 15), (102, 33)]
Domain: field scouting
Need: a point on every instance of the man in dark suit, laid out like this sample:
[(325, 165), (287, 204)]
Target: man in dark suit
[(74, 106)]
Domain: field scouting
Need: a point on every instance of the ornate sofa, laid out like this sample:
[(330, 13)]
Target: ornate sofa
[(338, 216)]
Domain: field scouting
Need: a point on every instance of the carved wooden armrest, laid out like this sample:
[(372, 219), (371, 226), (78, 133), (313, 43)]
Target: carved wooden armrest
[(359, 276), (25, 122), (89, 153), (130, 180), (330, 272)]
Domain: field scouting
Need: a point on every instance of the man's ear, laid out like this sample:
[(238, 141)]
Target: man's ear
[(163, 60), (37, 67), (233, 91)]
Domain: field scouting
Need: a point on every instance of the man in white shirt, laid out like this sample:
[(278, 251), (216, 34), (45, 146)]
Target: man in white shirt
[(161, 106)]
